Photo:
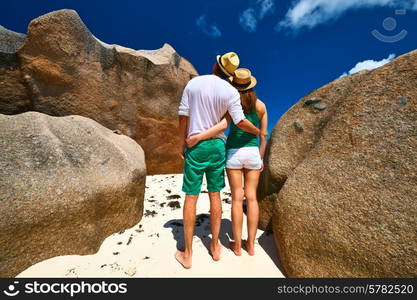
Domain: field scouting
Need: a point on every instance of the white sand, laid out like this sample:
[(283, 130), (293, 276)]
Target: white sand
[(153, 242)]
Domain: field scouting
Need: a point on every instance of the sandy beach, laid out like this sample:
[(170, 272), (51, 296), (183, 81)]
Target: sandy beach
[(147, 249)]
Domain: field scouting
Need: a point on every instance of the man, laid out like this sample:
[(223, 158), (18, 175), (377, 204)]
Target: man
[(206, 99)]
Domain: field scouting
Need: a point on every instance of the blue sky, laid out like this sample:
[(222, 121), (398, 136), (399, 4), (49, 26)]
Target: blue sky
[(292, 47)]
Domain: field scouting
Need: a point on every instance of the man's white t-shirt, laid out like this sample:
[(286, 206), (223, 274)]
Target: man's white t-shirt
[(206, 99)]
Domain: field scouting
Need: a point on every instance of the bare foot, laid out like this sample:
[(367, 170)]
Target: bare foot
[(236, 250), (185, 261), (216, 250), (249, 248)]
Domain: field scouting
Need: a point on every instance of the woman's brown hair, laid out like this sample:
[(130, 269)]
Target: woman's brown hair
[(248, 100), (219, 72)]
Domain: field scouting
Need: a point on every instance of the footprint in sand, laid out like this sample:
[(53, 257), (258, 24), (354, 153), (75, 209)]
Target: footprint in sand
[(130, 271), (72, 273), (151, 213), (174, 205)]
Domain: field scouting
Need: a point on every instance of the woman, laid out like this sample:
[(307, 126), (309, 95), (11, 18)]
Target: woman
[(244, 159)]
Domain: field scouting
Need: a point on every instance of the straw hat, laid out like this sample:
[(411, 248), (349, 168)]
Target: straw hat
[(243, 80), (228, 62)]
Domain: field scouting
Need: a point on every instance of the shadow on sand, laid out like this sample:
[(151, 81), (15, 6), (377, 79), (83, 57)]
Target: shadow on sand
[(266, 241), (201, 230)]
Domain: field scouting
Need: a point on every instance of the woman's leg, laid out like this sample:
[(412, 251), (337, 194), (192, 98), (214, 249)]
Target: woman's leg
[(251, 185), (236, 186)]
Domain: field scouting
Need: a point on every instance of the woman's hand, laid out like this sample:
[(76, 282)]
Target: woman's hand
[(192, 140)]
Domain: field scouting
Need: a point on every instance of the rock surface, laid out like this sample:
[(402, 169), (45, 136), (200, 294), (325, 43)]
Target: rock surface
[(64, 70), (13, 94), (66, 184), (341, 194)]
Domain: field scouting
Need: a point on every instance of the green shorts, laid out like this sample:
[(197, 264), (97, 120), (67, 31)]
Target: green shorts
[(207, 157)]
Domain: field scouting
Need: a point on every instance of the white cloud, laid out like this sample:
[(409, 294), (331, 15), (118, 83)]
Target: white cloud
[(259, 9), (265, 7), (248, 20), (369, 65), (209, 29), (310, 13)]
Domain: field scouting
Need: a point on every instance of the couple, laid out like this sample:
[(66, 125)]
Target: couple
[(209, 103)]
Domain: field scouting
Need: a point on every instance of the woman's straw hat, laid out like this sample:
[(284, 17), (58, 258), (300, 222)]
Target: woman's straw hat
[(243, 80), (228, 62)]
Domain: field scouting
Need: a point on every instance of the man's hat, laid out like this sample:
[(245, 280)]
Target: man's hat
[(228, 62), (243, 79)]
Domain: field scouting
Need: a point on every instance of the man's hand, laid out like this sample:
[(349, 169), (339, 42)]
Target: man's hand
[(183, 125), (192, 141), (247, 126), (181, 150)]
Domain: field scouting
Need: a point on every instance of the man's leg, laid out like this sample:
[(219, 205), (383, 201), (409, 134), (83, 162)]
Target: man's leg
[(189, 211), (215, 183), (215, 221), (194, 166)]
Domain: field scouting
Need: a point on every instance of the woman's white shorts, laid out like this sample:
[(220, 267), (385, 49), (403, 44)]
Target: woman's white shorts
[(244, 158)]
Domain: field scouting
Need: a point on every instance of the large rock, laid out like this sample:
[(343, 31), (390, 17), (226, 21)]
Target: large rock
[(341, 177), (65, 70), (65, 185), (13, 93)]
